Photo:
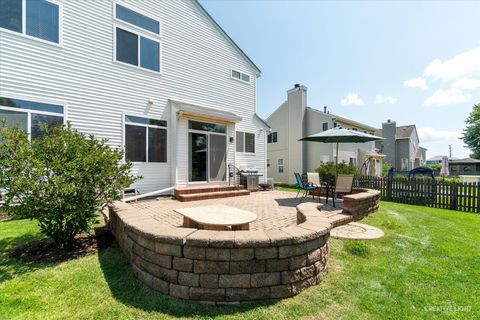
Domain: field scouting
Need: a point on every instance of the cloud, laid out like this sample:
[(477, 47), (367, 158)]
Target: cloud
[(462, 65), (431, 135), (466, 84), (385, 100), (445, 97), (416, 83), (352, 99)]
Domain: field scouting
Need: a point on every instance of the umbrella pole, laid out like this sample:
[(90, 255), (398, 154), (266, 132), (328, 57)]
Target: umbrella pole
[(336, 175)]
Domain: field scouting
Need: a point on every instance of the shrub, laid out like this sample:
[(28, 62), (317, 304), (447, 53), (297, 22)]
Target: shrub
[(327, 171), (385, 168), (61, 179), (357, 248)]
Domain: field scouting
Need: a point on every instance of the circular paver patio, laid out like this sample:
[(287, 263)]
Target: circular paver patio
[(356, 231)]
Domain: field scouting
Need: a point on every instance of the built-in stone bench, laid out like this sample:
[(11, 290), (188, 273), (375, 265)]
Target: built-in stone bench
[(230, 267)]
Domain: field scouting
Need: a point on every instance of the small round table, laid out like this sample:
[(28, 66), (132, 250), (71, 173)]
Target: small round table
[(216, 217)]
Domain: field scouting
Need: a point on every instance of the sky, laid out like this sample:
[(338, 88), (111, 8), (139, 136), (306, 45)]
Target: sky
[(414, 62)]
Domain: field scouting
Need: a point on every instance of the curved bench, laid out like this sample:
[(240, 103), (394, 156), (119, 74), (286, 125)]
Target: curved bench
[(223, 267)]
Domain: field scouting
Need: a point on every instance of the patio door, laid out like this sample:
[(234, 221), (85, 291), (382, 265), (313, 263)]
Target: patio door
[(207, 152)]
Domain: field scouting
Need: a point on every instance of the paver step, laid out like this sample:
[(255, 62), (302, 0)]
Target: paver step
[(211, 195), (205, 189)]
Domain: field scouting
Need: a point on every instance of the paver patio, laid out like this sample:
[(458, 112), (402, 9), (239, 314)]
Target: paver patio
[(275, 209)]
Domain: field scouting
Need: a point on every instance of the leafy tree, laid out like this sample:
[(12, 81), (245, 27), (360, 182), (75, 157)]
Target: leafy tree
[(327, 171), (61, 179), (385, 168), (471, 134)]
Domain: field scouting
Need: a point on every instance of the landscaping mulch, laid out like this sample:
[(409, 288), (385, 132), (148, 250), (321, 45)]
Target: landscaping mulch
[(46, 251)]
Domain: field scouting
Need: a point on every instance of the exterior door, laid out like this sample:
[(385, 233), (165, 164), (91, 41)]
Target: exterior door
[(217, 157), (198, 145)]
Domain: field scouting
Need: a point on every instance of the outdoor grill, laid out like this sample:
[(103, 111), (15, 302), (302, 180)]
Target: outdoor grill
[(249, 178)]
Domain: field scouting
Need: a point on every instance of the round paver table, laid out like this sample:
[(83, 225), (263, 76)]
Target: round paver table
[(216, 217)]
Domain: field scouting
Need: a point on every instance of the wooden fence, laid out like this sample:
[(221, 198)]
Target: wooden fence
[(427, 192)]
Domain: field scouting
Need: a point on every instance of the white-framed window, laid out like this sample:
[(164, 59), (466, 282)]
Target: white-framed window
[(272, 137), (324, 126), (31, 116), (145, 139), (40, 19), (237, 75), (280, 165), (137, 39), (353, 161), (404, 164), (245, 142)]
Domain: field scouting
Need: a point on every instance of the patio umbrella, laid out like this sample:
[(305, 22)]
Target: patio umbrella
[(339, 135), (444, 170)]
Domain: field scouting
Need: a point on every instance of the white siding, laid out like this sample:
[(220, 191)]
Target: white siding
[(196, 62)]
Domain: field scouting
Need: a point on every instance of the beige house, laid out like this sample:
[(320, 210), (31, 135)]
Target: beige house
[(294, 120)]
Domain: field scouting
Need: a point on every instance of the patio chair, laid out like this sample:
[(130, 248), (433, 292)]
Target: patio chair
[(305, 187), (343, 185), (313, 179)]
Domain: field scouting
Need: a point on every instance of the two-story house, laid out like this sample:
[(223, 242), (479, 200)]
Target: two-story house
[(401, 146), (160, 79), (293, 120)]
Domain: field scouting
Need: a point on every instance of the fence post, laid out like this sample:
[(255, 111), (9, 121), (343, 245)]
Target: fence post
[(453, 196), (389, 188)]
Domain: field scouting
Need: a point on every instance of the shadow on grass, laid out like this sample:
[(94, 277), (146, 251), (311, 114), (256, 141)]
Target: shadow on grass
[(129, 291), (9, 267)]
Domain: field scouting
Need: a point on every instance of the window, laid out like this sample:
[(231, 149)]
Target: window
[(353, 161), (268, 162), (245, 142), (280, 165), (145, 139), (42, 18), (404, 164), (240, 76), (335, 125), (205, 126), (272, 137), (30, 116), (137, 48), (324, 126), (137, 19)]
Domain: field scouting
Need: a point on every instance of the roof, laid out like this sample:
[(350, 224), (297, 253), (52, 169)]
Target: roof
[(262, 120), (189, 108), (342, 119), (464, 161), (259, 72), (404, 131), (435, 158)]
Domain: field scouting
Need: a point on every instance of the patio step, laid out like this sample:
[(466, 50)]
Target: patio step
[(195, 196), (204, 189)]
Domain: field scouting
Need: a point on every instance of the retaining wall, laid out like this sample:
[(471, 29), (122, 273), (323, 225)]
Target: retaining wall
[(230, 267)]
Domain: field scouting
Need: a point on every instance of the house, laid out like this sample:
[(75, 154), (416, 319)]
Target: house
[(467, 166), (401, 146), (434, 160), (158, 78), (293, 120)]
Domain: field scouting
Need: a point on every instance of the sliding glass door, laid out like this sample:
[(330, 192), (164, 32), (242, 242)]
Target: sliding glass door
[(198, 156), (217, 157)]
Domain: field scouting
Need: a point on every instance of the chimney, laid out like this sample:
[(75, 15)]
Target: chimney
[(297, 85), (297, 106), (389, 130), (325, 109)]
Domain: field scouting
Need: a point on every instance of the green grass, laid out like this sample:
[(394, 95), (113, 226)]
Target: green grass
[(426, 267)]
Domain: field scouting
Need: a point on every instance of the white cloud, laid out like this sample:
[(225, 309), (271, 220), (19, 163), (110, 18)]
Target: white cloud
[(461, 65), (466, 84), (352, 99), (445, 97), (416, 83), (385, 100), (431, 134)]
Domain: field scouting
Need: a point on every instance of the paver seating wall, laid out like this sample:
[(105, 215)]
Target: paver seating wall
[(231, 267)]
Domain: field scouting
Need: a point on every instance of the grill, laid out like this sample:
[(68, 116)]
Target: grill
[(249, 178)]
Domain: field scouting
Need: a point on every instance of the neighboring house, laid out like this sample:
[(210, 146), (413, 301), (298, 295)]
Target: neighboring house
[(467, 166), (158, 78), (435, 160), (294, 120), (401, 146)]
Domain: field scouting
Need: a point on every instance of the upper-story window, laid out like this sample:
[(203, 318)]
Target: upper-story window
[(33, 117), (272, 137), (324, 126), (240, 76), (36, 18), (138, 46)]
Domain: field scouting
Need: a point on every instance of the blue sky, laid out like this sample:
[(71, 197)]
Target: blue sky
[(412, 62)]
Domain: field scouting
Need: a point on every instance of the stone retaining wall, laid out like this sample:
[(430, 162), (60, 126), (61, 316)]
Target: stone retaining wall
[(223, 267)]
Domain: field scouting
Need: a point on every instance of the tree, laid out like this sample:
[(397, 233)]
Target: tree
[(61, 179), (471, 134)]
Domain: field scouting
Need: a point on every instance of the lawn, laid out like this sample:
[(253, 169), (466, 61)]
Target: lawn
[(426, 266)]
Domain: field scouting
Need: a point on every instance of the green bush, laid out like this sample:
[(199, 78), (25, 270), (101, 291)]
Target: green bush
[(328, 171), (357, 248), (385, 168), (61, 179)]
